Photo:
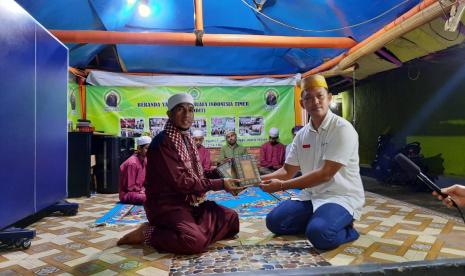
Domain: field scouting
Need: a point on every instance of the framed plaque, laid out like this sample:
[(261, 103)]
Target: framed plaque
[(246, 170), (226, 170), (243, 167)]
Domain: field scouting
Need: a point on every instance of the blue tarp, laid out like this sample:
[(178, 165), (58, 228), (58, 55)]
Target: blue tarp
[(357, 19)]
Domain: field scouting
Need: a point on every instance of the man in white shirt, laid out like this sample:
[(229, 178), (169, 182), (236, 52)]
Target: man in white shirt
[(326, 151)]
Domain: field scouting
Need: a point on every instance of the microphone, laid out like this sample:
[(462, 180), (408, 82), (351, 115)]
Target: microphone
[(413, 170)]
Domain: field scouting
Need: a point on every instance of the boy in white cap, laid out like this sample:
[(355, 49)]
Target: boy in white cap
[(326, 151), (204, 154), (180, 221), (132, 174), (272, 153)]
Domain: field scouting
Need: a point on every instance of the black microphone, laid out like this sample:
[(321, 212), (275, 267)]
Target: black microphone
[(413, 170)]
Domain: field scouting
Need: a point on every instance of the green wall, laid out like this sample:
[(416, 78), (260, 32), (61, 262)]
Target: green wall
[(424, 102)]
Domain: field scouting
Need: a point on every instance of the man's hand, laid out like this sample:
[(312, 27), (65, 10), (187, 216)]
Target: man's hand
[(231, 187), (447, 201), (456, 192), (271, 186)]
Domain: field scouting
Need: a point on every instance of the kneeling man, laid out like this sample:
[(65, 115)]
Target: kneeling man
[(180, 221), (326, 151)]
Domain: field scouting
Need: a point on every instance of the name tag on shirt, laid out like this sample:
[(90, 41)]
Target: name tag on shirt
[(306, 146)]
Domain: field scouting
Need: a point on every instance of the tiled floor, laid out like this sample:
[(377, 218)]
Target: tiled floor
[(391, 231)]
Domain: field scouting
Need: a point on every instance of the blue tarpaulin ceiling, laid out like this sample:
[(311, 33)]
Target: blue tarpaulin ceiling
[(357, 19)]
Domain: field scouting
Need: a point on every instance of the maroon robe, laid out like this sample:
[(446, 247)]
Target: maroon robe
[(272, 156), (131, 180), (176, 225), (204, 156)]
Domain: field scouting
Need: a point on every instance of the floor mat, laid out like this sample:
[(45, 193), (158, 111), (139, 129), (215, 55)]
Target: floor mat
[(123, 214), (290, 255), (252, 203)]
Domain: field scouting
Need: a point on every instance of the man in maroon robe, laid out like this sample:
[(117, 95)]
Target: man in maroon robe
[(204, 154), (132, 174), (272, 153), (180, 221)]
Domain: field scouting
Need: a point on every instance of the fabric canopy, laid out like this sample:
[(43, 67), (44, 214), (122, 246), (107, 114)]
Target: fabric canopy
[(356, 19)]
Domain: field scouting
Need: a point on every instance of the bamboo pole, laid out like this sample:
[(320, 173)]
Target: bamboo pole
[(198, 16), (170, 38), (415, 17)]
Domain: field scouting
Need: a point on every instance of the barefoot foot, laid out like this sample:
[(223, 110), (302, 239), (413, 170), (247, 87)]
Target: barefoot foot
[(134, 237)]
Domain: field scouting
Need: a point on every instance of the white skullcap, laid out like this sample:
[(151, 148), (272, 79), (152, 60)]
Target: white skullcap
[(179, 98), (230, 131), (197, 133), (274, 132), (143, 140)]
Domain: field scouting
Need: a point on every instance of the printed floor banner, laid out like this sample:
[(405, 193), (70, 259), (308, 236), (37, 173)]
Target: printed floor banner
[(250, 111), (249, 204)]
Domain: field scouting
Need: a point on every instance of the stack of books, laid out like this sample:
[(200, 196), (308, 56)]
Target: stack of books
[(84, 126)]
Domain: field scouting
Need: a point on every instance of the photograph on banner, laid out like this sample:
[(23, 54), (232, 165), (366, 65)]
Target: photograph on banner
[(271, 97), (222, 125), (72, 100), (157, 124), (112, 98), (251, 126), (200, 123), (74, 105), (131, 127)]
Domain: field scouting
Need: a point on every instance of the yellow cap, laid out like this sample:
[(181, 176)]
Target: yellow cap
[(314, 81)]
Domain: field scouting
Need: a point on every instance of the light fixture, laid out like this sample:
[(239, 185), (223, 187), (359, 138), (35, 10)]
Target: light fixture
[(144, 9), (259, 4), (131, 2)]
